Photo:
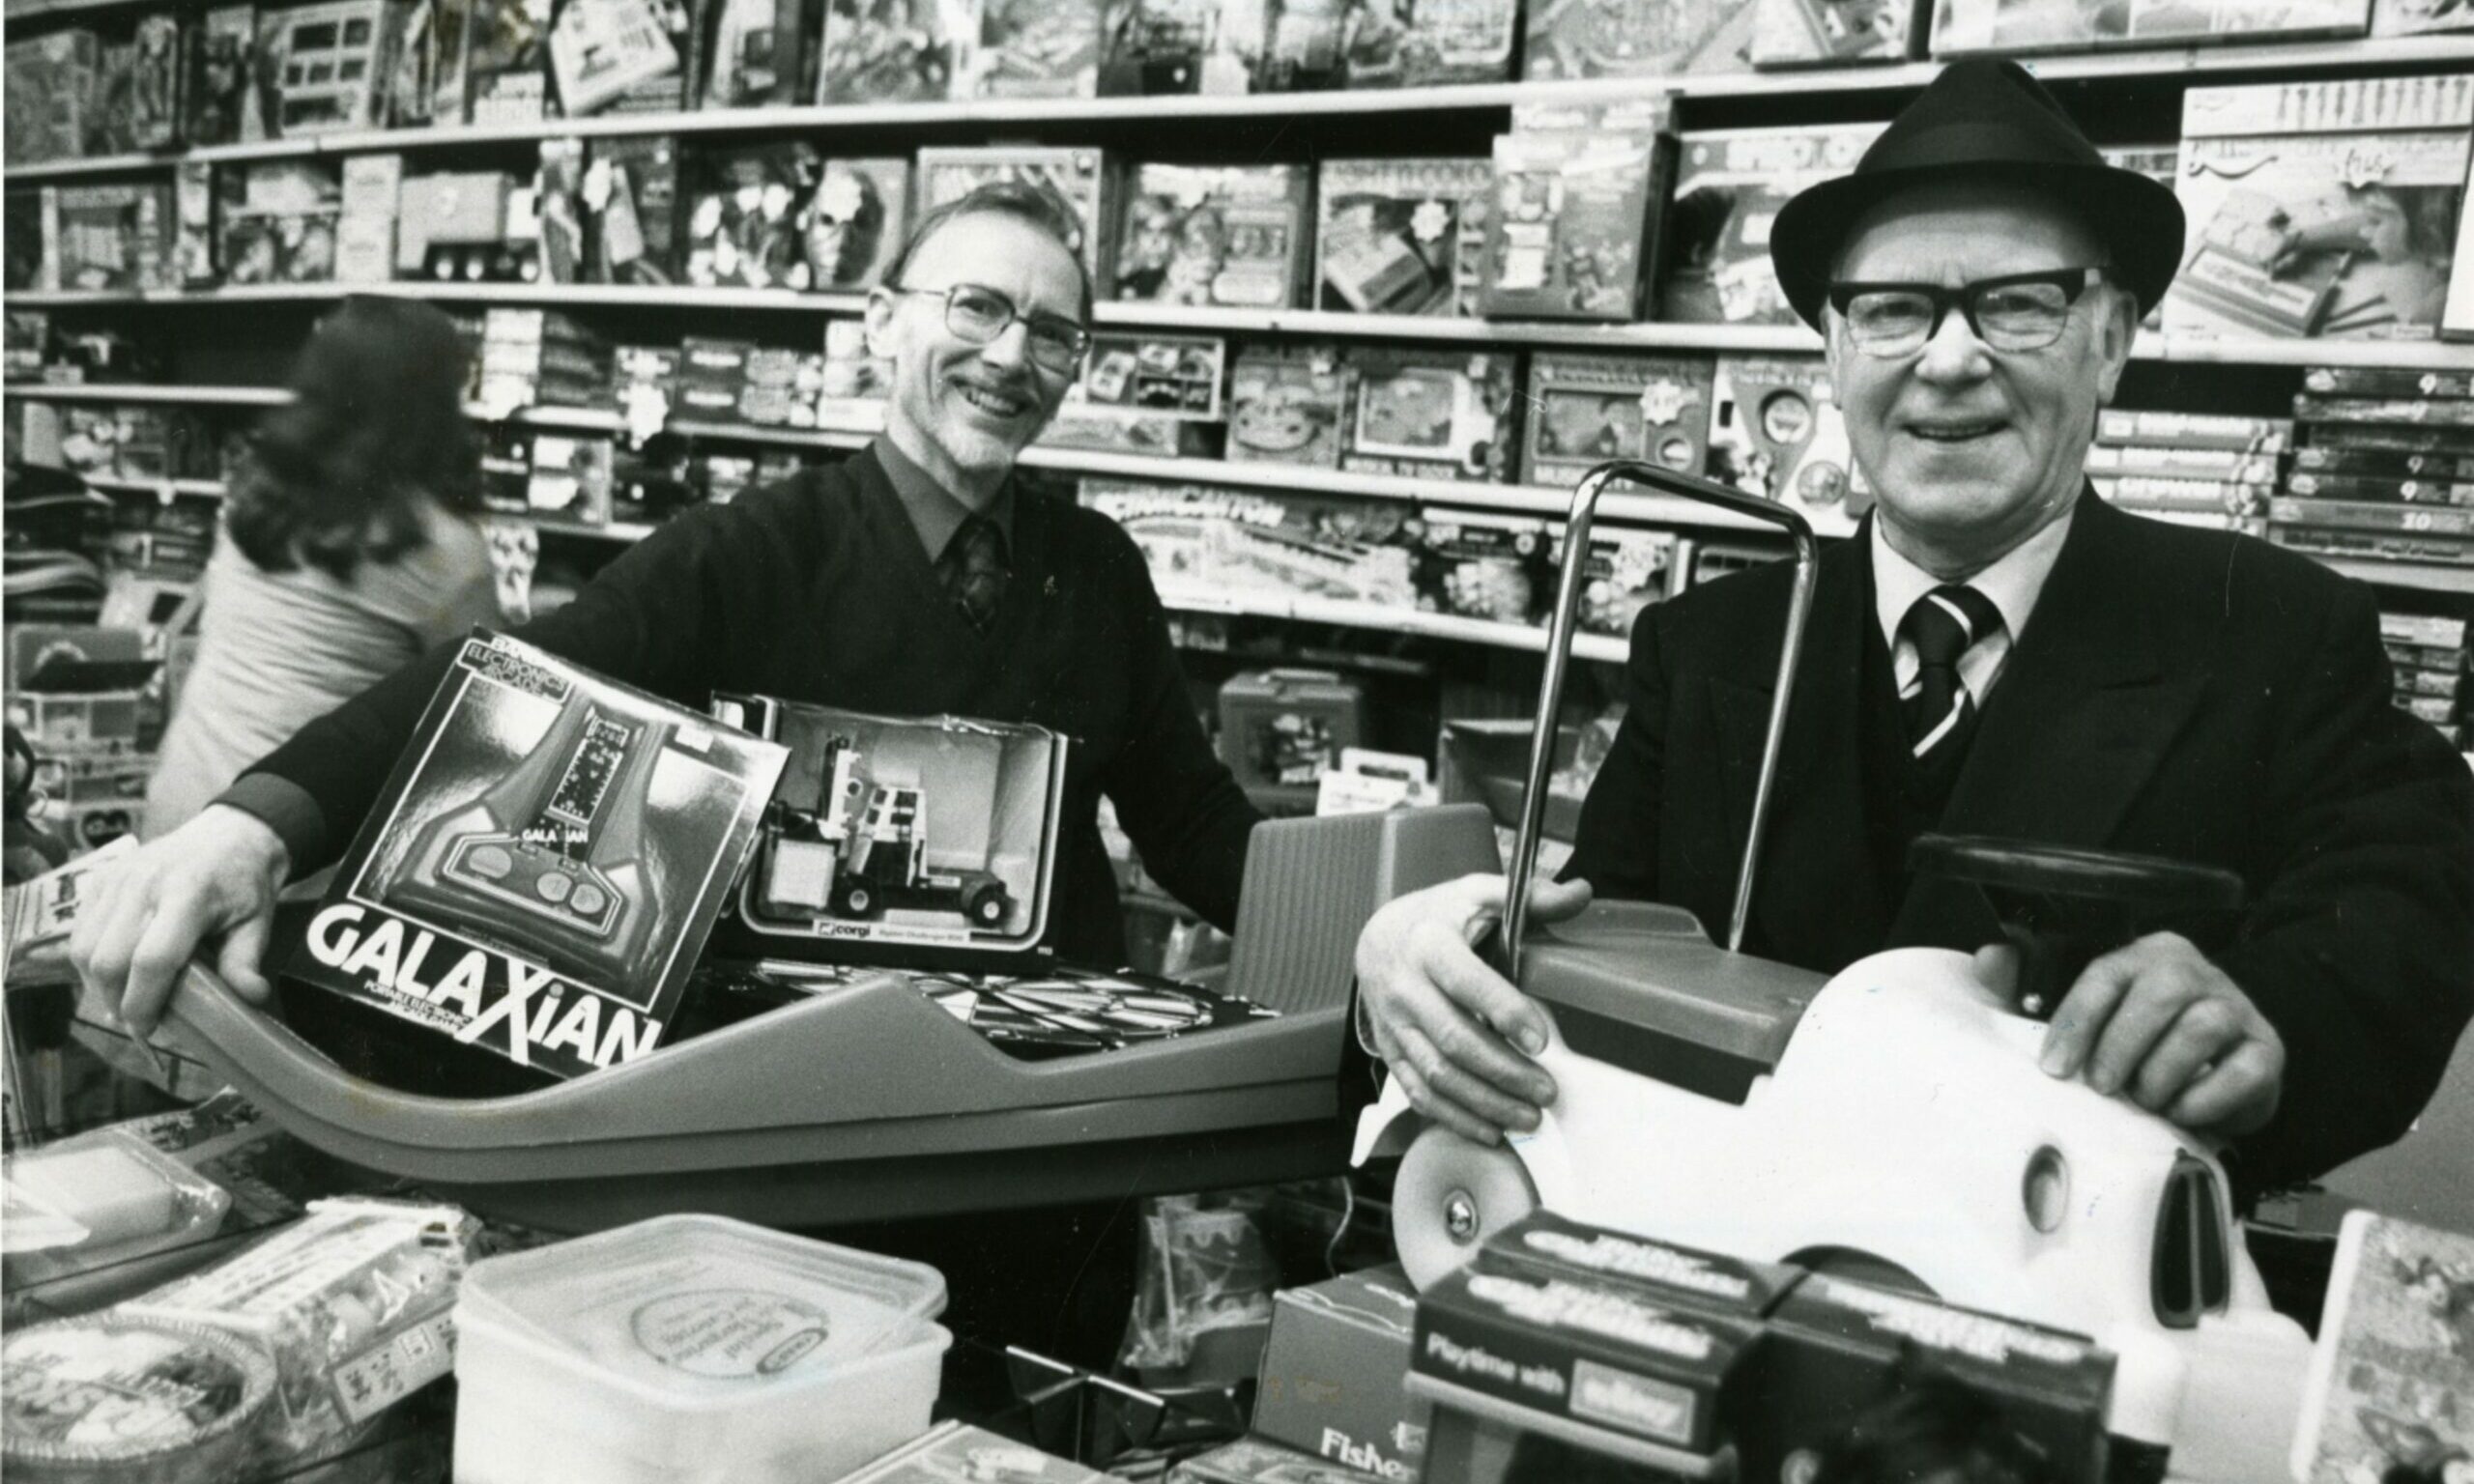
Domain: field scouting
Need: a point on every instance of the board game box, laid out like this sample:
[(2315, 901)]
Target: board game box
[(1626, 570), (604, 53), (1729, 184), (1637, 38), (2390, 1393), (1572, 234), (544, 863), (274, 222), (1084, 183), (1236, 236), (743, 216), (1965, 27), (1172, 47), (1205, 546), (894, 51), (1144, 392), (1037, 48), (1435, 414), (1480, 563), (112, 237), (1776, 431), (1833, 33), (759, 54), (327, 61), (1305, 44), (506, 62), (1586, 407), (1425, 44), (1286, 404), (2321, 209), (1402, 236), (50, 95)]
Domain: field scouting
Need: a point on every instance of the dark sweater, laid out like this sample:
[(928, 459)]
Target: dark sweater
[(818, 589)]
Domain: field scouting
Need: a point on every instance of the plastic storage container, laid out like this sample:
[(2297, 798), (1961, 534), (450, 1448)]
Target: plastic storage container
[(691, 1349)]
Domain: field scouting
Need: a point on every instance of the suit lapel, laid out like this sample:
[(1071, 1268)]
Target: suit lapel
[(2082, 714), (1815, 898)]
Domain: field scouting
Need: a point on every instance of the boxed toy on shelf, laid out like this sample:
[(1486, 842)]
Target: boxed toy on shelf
[(327, 61), (2321, 209), (51, 95), (894, 51), (1084, 183), (1428, 44), (1234, 235), (1729, 184), (1480, 563), (743, 215), (1435, 414), (506, 64), (461, 226), (544, 864), (759, 54), (1286, 404), (1177, 46), (137, 105), (1036, 48), (1776, 431), (1965, 27), (856, 381), (1208, 548), (1637, 38), (365, 224), (1587, 406), (1146, 393), (110, 237), (2387, 469), (1282, 729), (855, 222), (619, 55), (1832, 33), (631, 210), (1628, 570), (1402, 236), (1573, 230), (900, 839)]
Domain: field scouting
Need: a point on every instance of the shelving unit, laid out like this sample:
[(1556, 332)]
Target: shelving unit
[(1378, 615)]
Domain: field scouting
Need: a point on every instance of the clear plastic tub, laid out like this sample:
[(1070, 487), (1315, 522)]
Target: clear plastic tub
[(105, 1199), (691, 1349)]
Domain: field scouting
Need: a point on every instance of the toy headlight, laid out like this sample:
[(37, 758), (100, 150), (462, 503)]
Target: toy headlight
[(2045, 1190)]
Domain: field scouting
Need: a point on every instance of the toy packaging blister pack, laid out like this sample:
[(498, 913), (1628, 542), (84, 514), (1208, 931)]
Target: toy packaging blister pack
[(1235, 236), (2017, 27), (1401, 236), (1431, 414), (2321, 209), (1776, 431), (1573, 232), (544, 864), (1586, 407), (1285, 405), (900, 839), (1637, 38), (1729, 184), (1082, 183)]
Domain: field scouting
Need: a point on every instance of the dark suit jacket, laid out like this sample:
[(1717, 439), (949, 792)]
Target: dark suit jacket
[(2178, 692)]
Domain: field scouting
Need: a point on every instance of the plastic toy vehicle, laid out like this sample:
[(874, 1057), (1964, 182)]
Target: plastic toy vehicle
[(869, 853), (1888, 1123)]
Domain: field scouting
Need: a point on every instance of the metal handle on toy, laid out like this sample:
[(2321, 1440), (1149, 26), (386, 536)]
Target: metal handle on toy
[(1559, 646)]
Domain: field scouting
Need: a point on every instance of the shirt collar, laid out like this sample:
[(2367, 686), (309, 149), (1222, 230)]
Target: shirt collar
[(2014, 582), (936, 512)]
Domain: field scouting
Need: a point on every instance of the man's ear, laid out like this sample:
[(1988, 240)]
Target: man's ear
[(880, 308), (2117, 329)]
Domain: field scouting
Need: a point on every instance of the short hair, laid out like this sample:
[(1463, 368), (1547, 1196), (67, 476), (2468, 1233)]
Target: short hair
[(1035, 206)]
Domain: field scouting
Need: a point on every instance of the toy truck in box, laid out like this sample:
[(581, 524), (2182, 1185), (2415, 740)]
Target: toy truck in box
[(869, 851)]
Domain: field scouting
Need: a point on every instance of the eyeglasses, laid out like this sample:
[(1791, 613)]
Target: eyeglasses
[(2014, 312), (979, 315)]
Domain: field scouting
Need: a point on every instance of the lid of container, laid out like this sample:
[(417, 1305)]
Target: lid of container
[(108, 1392), (700, 1302)]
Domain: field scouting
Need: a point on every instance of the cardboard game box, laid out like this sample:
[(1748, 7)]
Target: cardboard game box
[(112, 237), (1237, 235), (1401, 236), (1637, 38), (1776, 431), (1286, 404), (900, 839), (894, 51), (1435, 414), (51, 95), (1082, 181), (1333, 1374), (1036, 48), (544, 863), (327, 61), (857, 381), (1729, 184), (1628, 570), (604, 53), (759, 54), (631, 209), (855, 222), (1483, 564), (1572, 234), (2321, 209), (1835, 33), (220, 98), (138, 107), (1143, 393), (1964, 27), (507, 65), (1586, 407), (1426, 43), (1174, 47), (743, 223), (1204, 546)]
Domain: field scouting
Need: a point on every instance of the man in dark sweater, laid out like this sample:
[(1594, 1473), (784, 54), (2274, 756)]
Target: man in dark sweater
[(916, 579)]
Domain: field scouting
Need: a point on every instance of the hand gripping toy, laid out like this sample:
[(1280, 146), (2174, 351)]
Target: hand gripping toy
[(1887, 1123)]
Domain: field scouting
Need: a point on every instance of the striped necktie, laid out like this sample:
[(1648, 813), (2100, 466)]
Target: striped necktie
[(1943, 625)]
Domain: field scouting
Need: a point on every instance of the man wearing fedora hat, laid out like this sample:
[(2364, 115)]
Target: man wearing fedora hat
[(1999, 654)]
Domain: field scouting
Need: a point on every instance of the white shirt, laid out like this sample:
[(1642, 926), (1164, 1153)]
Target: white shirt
[(2013, 584)]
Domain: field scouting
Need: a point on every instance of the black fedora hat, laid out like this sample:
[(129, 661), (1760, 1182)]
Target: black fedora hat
[(1983, 119)]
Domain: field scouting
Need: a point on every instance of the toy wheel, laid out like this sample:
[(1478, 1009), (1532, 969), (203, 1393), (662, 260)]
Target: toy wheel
[(855, 899), (1450, 1195), (988, 904)]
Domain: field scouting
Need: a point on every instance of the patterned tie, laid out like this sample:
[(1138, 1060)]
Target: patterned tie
[(1943, 624), (973, 569)]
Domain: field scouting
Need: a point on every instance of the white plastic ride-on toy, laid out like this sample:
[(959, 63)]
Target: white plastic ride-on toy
[(1888, 1124)]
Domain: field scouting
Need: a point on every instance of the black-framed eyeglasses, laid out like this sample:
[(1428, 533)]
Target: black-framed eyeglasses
[(979, 314), (2013, 312)]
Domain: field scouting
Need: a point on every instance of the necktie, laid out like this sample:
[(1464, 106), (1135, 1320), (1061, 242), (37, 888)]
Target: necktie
[(1943, 625), (973, 569)]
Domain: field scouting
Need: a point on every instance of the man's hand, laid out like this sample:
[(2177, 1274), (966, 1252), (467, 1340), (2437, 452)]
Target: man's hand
[(215, 877), (2157, 1023), (1447, 1025)]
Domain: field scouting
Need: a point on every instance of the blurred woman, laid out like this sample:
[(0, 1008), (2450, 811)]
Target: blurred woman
[(349, 544)]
